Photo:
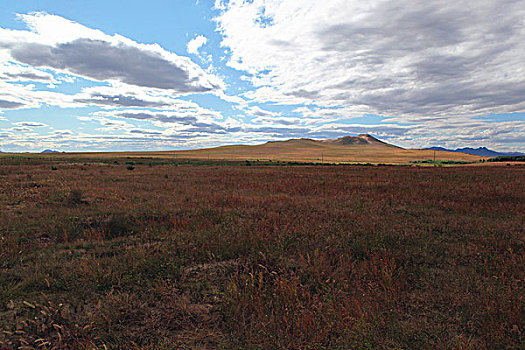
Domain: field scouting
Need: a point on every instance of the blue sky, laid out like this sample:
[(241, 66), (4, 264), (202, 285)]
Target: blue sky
[(161, 75)]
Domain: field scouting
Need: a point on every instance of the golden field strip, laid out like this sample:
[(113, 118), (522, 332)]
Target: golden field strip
[(297, 150)]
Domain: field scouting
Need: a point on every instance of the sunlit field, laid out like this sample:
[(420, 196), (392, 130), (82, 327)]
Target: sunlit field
[(295, 150), (166, 256)]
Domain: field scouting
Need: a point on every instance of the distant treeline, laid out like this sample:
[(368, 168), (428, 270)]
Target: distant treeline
[(507, 159)]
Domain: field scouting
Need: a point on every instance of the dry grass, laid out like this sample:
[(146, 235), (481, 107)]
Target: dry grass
[(315, 151), (96, 256), (297, 150)]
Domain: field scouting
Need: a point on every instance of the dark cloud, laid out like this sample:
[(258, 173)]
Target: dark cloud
[(437, 76), (160, 117), (406, 58), (262, 113), (285, 132), (303, 93), (102, 60), (63, 132), (145, 132), (120, 101), (32, 76), (5, 134), (329, 131), (281, 121), (31, 124), (10, 104)]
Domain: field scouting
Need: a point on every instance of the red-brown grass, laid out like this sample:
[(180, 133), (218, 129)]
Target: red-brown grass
[(96, 256)]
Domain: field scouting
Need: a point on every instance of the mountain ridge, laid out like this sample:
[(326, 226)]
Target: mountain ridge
[(480, 151)]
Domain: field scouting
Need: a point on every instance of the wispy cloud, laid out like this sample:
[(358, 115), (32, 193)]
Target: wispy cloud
[(124, 96), (15, 72)]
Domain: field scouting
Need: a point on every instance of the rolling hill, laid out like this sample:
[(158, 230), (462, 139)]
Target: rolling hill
[(359, 149), (349, 149), (363, 139)]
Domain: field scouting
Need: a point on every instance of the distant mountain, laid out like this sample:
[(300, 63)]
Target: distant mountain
[(480, 151), (49, 151)]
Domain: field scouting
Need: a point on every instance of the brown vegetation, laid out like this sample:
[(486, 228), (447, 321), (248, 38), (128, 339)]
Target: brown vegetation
[(96, 256)]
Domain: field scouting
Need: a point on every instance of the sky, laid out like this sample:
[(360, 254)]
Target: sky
[(168, 75)]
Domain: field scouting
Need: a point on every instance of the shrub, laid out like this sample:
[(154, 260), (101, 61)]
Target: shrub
[(118, 225), (74, 197)]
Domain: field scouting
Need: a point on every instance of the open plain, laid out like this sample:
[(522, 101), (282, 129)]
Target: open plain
[(262, 175), (110, 254)]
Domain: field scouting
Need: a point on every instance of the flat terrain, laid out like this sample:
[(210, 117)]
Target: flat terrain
[(363, 149), (158, 256)]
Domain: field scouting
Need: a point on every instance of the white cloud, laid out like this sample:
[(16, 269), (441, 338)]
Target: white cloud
[(408, 58), (18, 96), (272, 121), (56, 43), (232, 99), (196, 43), (259, 112), (179, 133), (430, 66), (15, 72)]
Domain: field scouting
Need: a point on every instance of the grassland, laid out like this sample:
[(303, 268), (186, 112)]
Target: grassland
[(104, 254), (295, 150)]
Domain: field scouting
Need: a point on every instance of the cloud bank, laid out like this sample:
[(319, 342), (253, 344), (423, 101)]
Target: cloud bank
[(56, 43), (411, 58), (413, 73)]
